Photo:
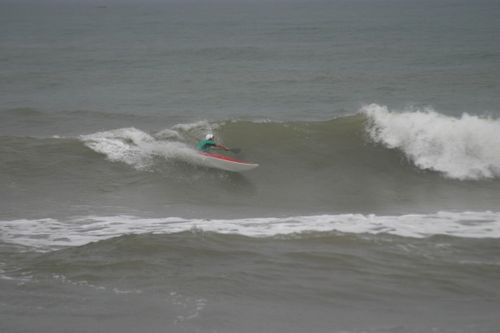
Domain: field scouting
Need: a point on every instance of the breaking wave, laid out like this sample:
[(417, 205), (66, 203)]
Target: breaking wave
[(463, 148), (48, 233), (139, 149)]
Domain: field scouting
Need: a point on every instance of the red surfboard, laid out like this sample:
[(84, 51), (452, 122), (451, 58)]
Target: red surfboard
[(227, 163)]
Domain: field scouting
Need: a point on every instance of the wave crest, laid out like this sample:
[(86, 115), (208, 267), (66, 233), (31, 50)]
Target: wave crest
[(460, 148)]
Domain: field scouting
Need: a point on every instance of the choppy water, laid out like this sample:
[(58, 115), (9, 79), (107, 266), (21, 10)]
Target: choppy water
[(374, 208)]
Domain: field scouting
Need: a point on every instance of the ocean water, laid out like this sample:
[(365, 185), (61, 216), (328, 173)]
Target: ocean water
[(375, 207)]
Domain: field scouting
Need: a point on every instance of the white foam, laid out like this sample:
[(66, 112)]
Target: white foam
[(137, 148), (48, 234), (463, 148)]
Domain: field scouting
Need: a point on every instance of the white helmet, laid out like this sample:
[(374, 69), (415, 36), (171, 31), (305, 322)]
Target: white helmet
[(209, 136)]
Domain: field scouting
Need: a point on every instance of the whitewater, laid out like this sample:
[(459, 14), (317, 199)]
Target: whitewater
[(465, 147), (51, 234)]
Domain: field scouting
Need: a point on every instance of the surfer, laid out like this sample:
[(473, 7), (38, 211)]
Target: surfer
[(209, 143)]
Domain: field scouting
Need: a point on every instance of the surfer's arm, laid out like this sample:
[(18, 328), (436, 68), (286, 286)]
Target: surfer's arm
[(222, 147)]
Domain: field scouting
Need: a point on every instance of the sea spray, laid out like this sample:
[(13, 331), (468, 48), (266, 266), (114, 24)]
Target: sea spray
[(137, 148), (462, 148)]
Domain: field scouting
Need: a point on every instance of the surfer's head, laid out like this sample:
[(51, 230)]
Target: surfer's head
[(209, 136)]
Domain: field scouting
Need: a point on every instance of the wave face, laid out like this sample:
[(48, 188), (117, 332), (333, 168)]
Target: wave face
[(459, 148), (376, 161), (463, 148)]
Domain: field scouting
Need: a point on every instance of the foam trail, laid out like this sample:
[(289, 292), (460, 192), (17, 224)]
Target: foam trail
[(463, 148), (48, 234), (138, 149)]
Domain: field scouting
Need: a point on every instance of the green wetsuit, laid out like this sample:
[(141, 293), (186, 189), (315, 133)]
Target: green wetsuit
[(205, 145)]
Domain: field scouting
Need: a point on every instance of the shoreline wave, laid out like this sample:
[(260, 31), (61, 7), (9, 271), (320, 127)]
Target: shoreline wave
[(49, 234)]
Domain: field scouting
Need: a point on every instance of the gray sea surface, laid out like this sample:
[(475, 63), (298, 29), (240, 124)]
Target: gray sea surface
[(374, 207)]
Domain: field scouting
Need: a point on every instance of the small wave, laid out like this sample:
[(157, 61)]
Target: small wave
[(48, 234), (198, 126), (460, 148)]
